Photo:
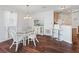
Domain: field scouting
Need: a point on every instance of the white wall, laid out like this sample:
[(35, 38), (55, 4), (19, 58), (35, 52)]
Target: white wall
[(23, 24), (3, 29), (20, 21), (6, 19), (46, 18), (2, 26), (75, 19)]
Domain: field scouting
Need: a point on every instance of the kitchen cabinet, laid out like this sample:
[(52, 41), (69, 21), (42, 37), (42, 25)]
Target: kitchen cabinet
[(63, 33), (39, 30), (56, 17)]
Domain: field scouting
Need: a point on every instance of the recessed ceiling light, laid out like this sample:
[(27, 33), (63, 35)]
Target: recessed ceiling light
[(27, 5)]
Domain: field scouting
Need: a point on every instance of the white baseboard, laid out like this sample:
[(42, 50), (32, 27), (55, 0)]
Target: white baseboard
[(4, 40)]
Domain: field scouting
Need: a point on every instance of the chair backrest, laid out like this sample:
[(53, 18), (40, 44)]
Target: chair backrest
[(17, 37), (32, 34), (34, 30), (78, 29), (11, 29), (13, 35)]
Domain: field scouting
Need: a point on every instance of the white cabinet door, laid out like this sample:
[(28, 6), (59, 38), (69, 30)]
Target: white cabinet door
[(55, 33), (64, 34), (39, 30), (67, 34), (48, 31)]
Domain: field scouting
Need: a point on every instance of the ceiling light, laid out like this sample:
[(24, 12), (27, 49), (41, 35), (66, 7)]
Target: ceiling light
[(27, 16)]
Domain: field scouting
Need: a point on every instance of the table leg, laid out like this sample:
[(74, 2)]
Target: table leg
[(24, 42)]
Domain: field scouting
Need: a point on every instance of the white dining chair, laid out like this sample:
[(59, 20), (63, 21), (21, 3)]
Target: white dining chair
[(32, 37), (17, 39)]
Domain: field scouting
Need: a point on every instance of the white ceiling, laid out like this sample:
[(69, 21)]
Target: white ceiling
[(34, 8), (30, 9)]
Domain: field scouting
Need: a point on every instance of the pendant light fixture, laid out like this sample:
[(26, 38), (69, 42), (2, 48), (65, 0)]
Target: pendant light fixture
[(28, 16)]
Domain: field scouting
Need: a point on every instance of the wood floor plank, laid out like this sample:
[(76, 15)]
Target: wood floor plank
[(46, 45)]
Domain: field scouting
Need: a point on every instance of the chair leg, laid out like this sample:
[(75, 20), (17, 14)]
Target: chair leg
[(16, 49), (11, 45), (28, 41), (24, 42), (36, 39), (34, 42), (21, 41)]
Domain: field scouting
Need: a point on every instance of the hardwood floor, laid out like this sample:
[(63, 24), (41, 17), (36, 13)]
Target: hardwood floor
[(46, 45)]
